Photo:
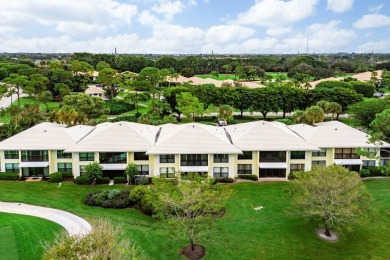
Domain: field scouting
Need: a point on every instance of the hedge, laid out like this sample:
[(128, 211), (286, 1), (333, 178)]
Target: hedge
[(67, 174), (120, 180), (117, 108), (251, 177), (55, 177), (9, 176), (108, 199), (142, 198), (225, 180), (82, 180)]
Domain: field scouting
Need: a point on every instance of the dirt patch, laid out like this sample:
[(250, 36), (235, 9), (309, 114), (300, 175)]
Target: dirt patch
[(198, 252), (388, 211), (321, 233)]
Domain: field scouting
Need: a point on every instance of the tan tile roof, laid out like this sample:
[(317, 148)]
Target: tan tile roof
[(94, 90)]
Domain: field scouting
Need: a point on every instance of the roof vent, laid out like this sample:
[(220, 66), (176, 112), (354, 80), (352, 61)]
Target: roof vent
[(335, 129), (44, 131)]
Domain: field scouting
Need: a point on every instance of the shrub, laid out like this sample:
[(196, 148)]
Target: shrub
[(285, 121), (225, 180), (117, 108), (93, 172), (67, 174), (364, 173), (82, 180), (103, 180), (141, 197), (251, 177), (120, 180), (124, 118), (141, 180), (108, 199), (55, 177), (375, 170), (9, 176)]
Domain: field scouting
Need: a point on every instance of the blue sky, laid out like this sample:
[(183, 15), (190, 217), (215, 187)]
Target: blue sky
[(195, 26)]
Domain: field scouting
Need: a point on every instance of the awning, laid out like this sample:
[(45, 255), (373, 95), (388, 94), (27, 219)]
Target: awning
[(278, 165), (33, 164), (194, 168), (348, 162), (114, 166)]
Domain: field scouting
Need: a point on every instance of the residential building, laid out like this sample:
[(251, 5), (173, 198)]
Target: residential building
[(266, 149)]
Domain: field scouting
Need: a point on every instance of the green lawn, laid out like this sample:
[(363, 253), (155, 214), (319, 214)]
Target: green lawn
[(23, 237), (220, 77), (242, 233), (26, 101)]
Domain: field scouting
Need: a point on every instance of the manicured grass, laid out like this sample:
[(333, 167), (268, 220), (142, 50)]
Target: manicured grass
[(220, 76), (242, 233), (275, 74), (23, 237)]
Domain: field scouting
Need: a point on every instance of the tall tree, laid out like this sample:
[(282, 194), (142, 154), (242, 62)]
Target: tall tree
[(381, 123), (266, 100), (330, 194), (153, 76), (110, 79), (189, 105), (17, 84), (37, 84), (291, 98), (242, 99), (334, 108), (190, 204), (44, 97)]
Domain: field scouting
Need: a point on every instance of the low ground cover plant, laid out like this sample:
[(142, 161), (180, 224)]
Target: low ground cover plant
[(117, 199)]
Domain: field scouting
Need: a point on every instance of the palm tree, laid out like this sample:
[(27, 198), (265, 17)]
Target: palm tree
[(335, 108), (314, 114), (67, 115)]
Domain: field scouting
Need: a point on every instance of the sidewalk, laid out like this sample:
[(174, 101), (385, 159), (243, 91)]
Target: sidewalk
[(73, 224)]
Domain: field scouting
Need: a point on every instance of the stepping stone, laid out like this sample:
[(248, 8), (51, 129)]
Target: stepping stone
[(111, 182)]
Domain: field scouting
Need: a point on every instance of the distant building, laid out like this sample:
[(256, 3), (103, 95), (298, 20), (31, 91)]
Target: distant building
[(94, 91)]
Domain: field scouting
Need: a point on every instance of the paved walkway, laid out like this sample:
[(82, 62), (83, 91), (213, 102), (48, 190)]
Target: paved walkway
[(73, 224)]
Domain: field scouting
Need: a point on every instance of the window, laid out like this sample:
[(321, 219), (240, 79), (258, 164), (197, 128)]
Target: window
[(221, 158), (113, 157), (87, 156), (368, 163), (62, 155), (12, 167), (247, 155), (297, 155), (272, 156), (221, 172), (143, 169), (272, 173), (346, 153), (384, 162), (13, 154), (167, 158), (244, 169), (319, 153), (64, 167), (318, 163), (167, 172), (82, 169), (385, 153), (141, 157), (194, 160), (35, 156), (297, 168)]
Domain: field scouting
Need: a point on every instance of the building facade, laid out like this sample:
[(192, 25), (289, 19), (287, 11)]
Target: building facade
[(265, 149)]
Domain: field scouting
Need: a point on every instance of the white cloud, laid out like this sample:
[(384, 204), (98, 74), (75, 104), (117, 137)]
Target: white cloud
[(63, 14), (274, 13), (340, 6), (377, 46), (278, 31), (322, 38), (375, 9), (227, 33), (168, 8), (372, 21)]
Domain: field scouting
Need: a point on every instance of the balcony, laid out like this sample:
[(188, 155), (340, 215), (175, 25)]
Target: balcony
[(35, 156), (272, 156), (346, 156)]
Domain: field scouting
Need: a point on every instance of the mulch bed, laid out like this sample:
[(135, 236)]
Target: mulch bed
[(321, 233), (198, 252)]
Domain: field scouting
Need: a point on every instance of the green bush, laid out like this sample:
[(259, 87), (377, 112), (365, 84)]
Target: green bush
[(124, 118), (375, 170), (364, 173), (365, 88), (67, 174), (108, 199), (82, 180), (9, 176), (141, 197), (120, 180), (285, 121), (251, 177), (55, 177), (117, 108), (141, 180), (225, 180), (103, 180)]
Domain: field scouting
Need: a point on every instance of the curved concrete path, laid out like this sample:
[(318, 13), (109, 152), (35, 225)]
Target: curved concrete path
[(73, 224)]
